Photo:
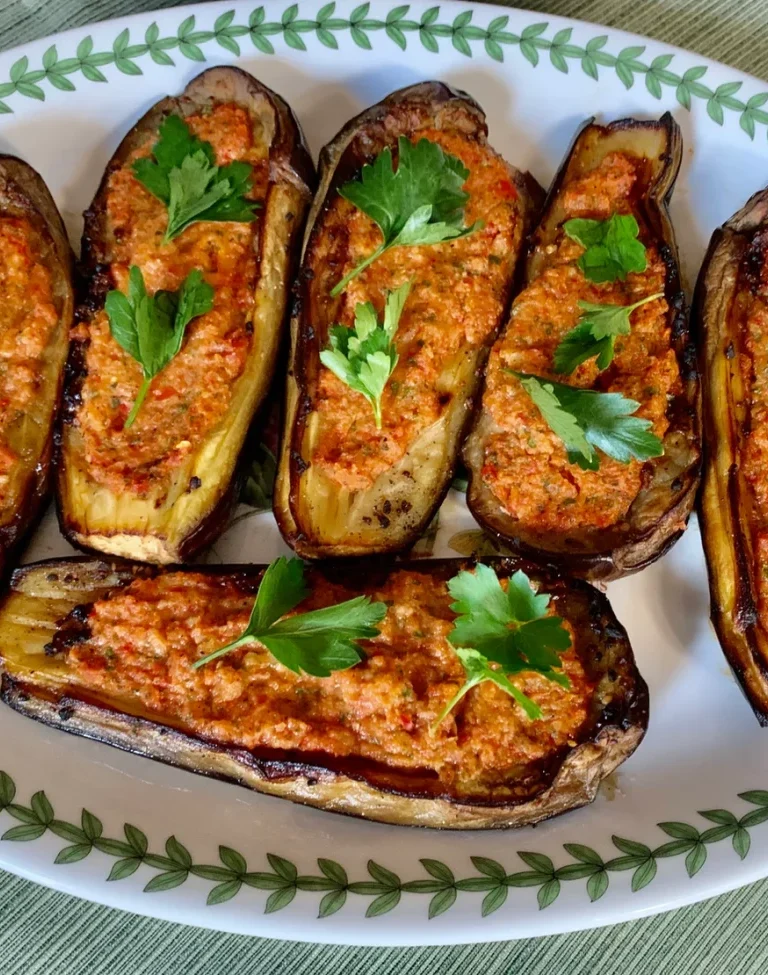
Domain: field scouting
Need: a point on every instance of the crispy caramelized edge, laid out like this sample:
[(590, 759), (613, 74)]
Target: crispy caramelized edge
[(290, 163), (23, 192), (616, 727), (610, 555), (426, 98), (725, 505)]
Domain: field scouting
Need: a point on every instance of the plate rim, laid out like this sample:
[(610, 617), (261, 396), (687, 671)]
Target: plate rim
[(438, 881), (723, 96)]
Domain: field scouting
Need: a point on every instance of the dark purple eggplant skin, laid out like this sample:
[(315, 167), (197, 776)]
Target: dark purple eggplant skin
[(615, 725), (736, 252), (392, 527), (290, 163), (659, 515), (23, 193)]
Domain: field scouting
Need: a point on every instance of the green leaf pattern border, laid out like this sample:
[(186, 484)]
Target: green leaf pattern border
[(466, 37), (384, 887)]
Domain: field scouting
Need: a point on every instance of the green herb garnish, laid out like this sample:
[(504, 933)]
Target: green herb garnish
[(364, 357), (585, 419), (182, 173), (612, 247), (595, 334), (151, 327), (260, 479), (509, 628), (317, 642), (420, 203)]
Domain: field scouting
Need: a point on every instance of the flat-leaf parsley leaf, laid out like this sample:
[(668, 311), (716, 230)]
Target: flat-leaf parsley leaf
[(151, 327), (595, 334), (317, 642), (422, 202), (182, 173), (585, 419), (612, 248), (511, 629), (364, 357)]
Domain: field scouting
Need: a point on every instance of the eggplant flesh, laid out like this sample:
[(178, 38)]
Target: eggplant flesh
[(729, 514), (187, 510), (46, 612), (23, 194), (318, 516), (659, 514)]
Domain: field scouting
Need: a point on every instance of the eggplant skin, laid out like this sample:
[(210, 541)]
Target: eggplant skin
[(23, 193), (37, 685), (659, 515), (173, 529), (725, 504), (317, 518)]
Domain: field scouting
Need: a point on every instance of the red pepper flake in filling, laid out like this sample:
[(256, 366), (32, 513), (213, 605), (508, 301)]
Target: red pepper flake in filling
[(525, 463), (193, 392)]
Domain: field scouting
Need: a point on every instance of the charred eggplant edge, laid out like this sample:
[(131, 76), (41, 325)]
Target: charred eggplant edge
[(289, 158), (646, 546), (724, 518), (24, 191), (615, 734), (291, 464)]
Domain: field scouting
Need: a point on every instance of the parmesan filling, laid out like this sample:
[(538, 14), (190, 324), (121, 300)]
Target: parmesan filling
[(456, 300), (525, 464), (192, 394), (28, 320), (144, 639)]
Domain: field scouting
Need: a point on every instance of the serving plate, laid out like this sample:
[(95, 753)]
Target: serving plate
[(687, 816)]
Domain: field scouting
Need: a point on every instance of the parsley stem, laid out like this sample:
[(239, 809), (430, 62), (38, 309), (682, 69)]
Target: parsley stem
[(239, 642), (468, 685), (138, 401), (357, 269), (644, 301)]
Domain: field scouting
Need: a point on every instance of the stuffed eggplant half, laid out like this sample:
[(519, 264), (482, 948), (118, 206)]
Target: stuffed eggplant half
[(408, 263), (731, 307), (585, 451), (455, 694), (36, 309), (187, 258)]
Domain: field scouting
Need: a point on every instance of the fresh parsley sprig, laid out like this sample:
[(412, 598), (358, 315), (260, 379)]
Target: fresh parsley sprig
[(612, 249), (595, 334), (364, 357), (587, 420), (151, 327), (511, 629), (318, 642), (422, 202), (182, 173)]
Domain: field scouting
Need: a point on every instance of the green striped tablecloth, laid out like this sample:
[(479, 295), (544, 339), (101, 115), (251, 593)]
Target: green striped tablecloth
[(46, 933)]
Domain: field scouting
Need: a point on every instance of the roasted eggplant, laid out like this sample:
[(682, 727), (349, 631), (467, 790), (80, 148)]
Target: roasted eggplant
[(163, 489), (345, 486), (36, 310), (730, 307), (524, 487), (88, 647)]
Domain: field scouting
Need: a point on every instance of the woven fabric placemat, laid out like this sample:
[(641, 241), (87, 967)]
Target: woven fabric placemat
[(43, 932)]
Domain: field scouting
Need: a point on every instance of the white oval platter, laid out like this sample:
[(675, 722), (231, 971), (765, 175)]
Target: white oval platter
[(207, 853)]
